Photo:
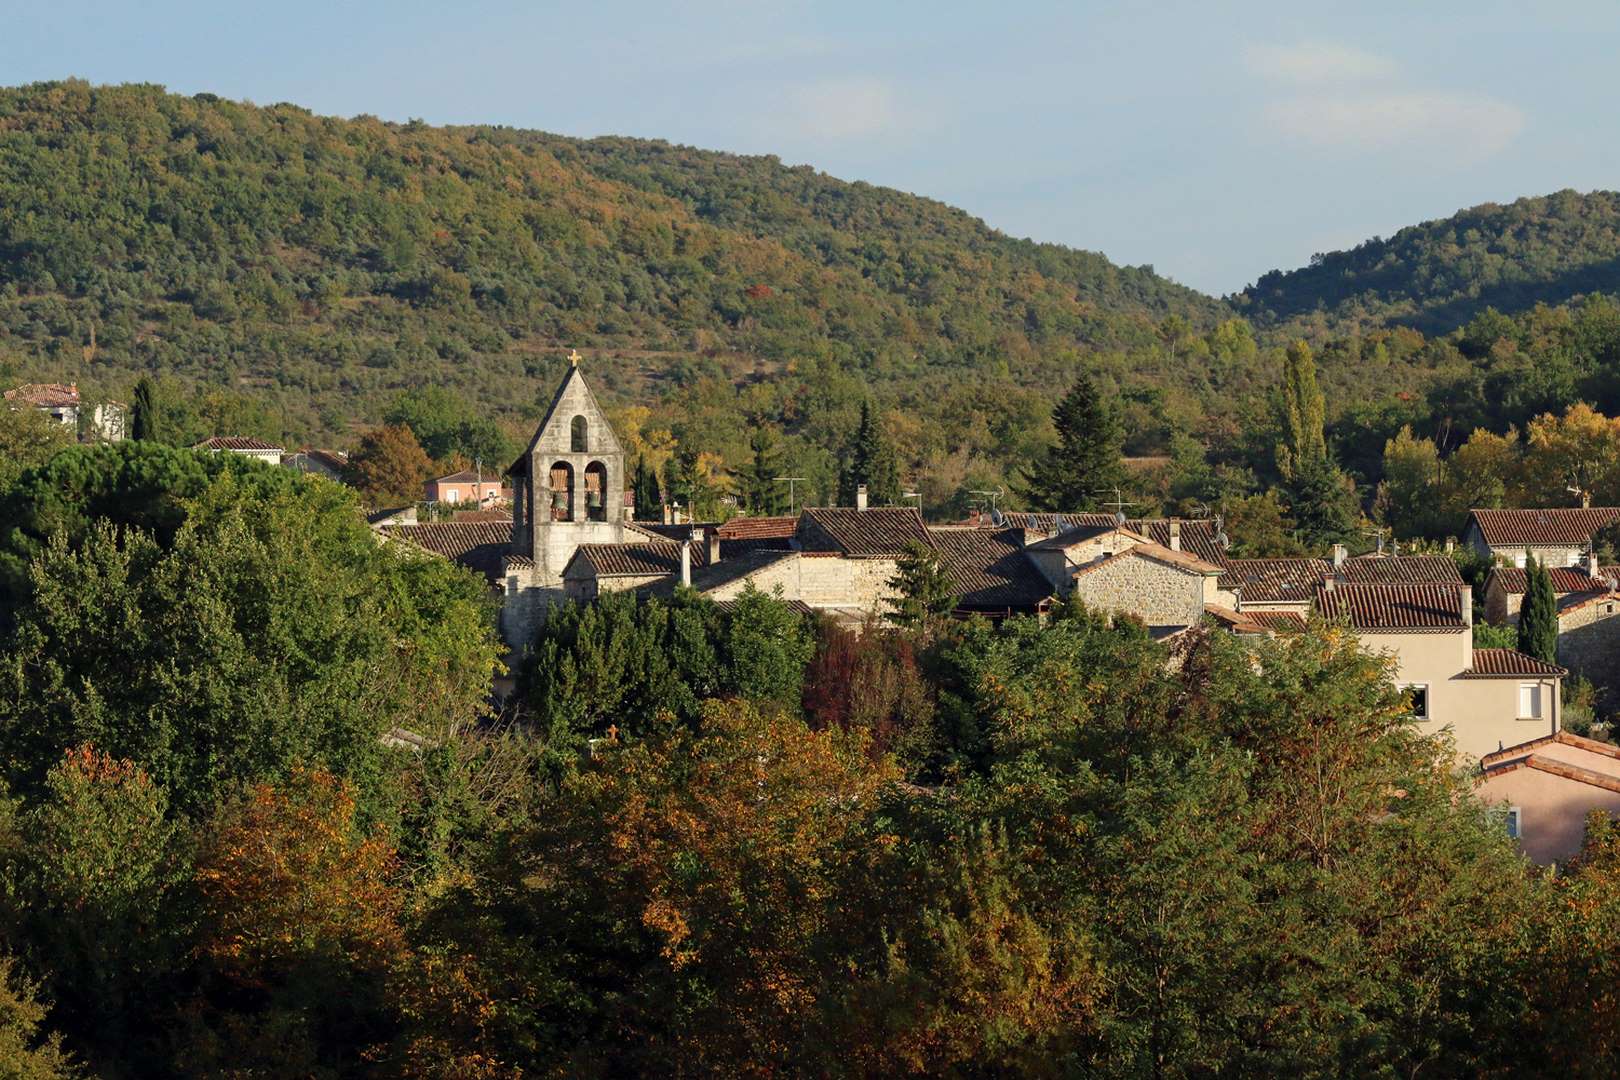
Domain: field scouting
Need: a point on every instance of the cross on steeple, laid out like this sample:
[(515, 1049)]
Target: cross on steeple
[(573, 358)]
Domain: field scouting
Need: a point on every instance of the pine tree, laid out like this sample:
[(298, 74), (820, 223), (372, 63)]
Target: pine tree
[(1538, 615), (1304, 414), (1082, 470), (762, 491), (1322, 501), (871, 461), (924, 592), (147, 407)]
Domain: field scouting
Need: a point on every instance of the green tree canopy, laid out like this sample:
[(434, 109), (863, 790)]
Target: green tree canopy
[(1083, 469)]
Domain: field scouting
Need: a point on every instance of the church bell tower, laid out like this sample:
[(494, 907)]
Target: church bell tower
[(568, 487)]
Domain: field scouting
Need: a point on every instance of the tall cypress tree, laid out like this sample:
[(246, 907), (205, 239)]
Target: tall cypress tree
[(147, 406), (871, 461), (1538, 615), (649, 500), (1081, 471)]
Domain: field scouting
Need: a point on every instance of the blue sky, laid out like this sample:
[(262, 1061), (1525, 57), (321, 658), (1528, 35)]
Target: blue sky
[(1214, 141)]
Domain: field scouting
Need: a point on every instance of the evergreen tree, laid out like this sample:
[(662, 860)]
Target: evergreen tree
[(1304, 413), (1538, 615), (147, 407), (871, 461), (1082, 470), (925, 594), (649, 499), (1323, 504), (763, 493)]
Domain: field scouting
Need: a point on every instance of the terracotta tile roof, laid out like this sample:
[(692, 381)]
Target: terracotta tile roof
[(45, 395), (1564, 738), (1233, 621), (1399, 569), (1198, 535), (990, 570), (1068, 538), (1394, 607), (1502, 663), (878, 533), (1577, 601), (518, 562), (1281, 622), (631, 560), (1554, 767), (481, 546), (467, 476), (760, 528), (1560, 526), (1565, 579), (1259, 581), (235, 442)]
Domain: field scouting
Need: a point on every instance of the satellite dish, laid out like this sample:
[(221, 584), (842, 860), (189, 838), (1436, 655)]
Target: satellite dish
[(997, 518), (1119, 518), (1222, 541)]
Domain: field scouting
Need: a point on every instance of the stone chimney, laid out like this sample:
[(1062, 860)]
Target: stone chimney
[(860, 497), (1175, 534), (714, 546), (1339, 554), (686, 562)]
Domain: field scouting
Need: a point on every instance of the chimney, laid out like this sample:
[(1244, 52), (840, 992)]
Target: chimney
[(1451, 544), (860, 497), (686, 562), (1465, 593), (1338, 556), (1591, 564), (1175, 534), (714, 546), (667, 514)]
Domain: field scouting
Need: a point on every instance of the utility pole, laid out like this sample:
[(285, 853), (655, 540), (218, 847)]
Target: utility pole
[(791, 482)]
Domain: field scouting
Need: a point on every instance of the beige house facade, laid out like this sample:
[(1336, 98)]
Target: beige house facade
[(1545, 788)]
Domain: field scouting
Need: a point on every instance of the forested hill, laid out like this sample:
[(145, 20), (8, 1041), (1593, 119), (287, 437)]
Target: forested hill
[(1437, 275), (311, 259)]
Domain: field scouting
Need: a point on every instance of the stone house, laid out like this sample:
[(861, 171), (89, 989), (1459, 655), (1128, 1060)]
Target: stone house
[(1505, 586), (1556, 536), (1169, 590), (1546, 787), (1488, 698), (257, 449)]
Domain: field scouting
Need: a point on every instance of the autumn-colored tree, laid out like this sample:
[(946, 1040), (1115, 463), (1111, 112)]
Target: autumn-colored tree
[(300, 919), (871, 682), (1572, 457), (389, 466)]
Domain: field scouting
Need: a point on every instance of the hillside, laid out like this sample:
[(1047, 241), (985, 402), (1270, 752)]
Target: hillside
[(320, 265), (1437, 275)]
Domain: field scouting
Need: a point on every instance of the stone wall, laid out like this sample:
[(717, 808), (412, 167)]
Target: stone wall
[(1589, 643), (1157, 594)]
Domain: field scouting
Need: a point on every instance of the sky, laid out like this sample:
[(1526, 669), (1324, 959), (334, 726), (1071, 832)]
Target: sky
[(1212, 141)]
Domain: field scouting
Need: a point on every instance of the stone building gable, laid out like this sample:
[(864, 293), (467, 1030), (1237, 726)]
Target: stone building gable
[(554, 436), (1162, 593)]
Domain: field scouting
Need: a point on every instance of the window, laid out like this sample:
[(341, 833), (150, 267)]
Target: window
[(1529, 701), (576, 436), (1417, 699), (1513, 822)]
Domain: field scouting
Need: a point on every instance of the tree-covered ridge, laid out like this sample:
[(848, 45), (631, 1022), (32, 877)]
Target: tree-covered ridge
[(1437, 275), (307, 258)]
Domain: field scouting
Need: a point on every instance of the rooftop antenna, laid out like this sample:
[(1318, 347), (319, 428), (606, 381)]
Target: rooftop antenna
[(1119, 504), (913, 495), (992, 496), (1377, 533), (792, 482)]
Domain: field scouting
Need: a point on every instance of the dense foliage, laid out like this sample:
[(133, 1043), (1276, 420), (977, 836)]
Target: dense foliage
[(1436, 275)]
